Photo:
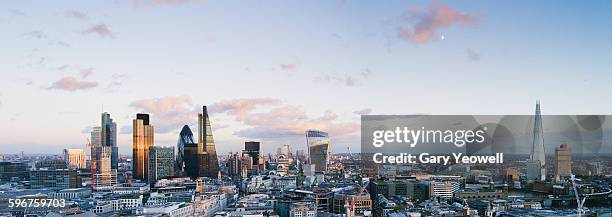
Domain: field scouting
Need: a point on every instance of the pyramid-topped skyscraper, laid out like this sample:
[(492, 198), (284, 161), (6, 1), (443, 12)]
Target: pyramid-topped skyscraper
[(536, 166)]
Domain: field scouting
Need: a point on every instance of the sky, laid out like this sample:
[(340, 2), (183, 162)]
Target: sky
[(268, 70)]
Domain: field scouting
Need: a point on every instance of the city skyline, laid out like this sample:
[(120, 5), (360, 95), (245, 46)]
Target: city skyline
[(64, 64)]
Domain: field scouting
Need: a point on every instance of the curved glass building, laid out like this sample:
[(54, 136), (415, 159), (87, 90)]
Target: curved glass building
[(319, 149), (185, 140)]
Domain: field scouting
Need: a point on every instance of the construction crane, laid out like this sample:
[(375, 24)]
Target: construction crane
[(580, 209), (92, 163)]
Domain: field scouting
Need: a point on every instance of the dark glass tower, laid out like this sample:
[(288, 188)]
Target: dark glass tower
[(108, 137), (186, 148), (252, 149)]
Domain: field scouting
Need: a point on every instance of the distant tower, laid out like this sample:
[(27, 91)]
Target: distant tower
[(536, 166), (563, 161)]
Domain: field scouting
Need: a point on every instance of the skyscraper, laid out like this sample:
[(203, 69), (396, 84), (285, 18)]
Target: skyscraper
[(563, 161), (209, 164), (106, 154), (319, 149), (536, 165), (143, 138), (161, 163), (108, 137), (185, 161)]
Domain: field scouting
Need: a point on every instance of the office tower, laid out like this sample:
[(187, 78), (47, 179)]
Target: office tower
[(161, 163), (319, 149), (142, 139), (96, 132), (252, 149), (563, 161), (536, 165), (108, 137), (75, 158), (209, 163), (185, 140), (106, 154)]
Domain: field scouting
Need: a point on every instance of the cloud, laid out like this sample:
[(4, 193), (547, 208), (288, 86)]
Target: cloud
[(63, 67), (18, 12), (84, 73), (37, 34), (473, 55), (288, 67), (425, 22), (168, 114), (345, 79), (365, 111), (72, 84), (78, 15), (101, 30), (272, 118), (241, 107)]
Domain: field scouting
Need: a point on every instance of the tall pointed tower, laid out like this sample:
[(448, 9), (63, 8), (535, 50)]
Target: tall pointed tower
[(536, 166), (206, 146)]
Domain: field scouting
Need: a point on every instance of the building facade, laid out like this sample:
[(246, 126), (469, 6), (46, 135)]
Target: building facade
[(161, 163), (75, 158)]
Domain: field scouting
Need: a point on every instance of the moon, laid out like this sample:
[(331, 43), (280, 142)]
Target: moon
[(442, 37)]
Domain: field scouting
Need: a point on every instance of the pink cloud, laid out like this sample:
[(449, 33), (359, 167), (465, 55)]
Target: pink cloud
[(260, 118), (241, 106), (270, 118), (429, 20), (168, 113), (72, 84), (101, 30)]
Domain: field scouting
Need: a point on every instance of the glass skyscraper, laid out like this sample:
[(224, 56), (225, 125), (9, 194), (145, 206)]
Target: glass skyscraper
[(209, 163), (108, 137), (186, 141), (143, 138), (319, 149), (106, 153), (536, 165)]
